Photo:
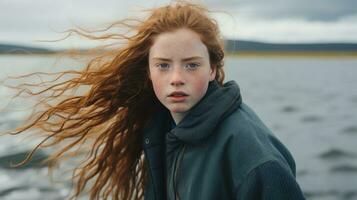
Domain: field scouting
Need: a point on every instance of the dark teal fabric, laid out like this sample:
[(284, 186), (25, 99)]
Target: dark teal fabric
[(220, 150)]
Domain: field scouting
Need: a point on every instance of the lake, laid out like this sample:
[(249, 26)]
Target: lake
[(310, 103)]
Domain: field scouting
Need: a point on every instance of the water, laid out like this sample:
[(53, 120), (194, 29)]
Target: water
[(309, 103)]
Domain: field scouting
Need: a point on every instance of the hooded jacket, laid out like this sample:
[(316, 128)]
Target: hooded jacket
[(219, 150)]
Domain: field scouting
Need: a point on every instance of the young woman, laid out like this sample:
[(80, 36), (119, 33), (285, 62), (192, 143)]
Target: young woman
[(160, 123)]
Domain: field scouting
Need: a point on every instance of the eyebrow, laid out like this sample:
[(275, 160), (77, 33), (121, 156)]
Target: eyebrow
[(185, 59)]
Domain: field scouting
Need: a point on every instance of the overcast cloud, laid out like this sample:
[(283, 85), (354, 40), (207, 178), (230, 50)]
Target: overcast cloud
[(313, 10), (23, 21)]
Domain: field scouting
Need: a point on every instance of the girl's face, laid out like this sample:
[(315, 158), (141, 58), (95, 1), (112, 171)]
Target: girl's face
[(180, 70)]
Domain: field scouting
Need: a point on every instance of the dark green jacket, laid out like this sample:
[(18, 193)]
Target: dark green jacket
[(220, 150)]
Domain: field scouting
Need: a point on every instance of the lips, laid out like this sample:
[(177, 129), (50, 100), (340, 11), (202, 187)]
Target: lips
[(178, 94)]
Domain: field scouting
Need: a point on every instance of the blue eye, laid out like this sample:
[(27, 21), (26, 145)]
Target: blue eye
[(162, 66), (192, 66)]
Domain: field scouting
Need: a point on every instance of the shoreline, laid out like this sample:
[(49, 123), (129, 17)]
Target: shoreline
[(323, 54)]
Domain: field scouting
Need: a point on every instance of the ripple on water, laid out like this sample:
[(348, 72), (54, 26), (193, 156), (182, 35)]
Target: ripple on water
[(336, 154), (289, 109), (13, 189), (354, 99), (350, 130), (311, 118), (316, 194), (35, 162), (344, 168), (302, 172), (347, 195)]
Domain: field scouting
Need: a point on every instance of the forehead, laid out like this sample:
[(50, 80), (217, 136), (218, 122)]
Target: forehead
[(178, 43)]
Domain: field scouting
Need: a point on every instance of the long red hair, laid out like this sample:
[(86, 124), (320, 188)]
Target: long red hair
[(106, 121)]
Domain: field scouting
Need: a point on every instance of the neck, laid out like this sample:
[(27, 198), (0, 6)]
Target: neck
[(178, 117)]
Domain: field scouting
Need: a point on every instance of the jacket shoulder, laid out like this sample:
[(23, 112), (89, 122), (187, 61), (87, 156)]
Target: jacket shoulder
[(270, 180), (250, 143)]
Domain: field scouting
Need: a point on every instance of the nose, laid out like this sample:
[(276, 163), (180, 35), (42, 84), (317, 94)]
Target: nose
[(177, 78)]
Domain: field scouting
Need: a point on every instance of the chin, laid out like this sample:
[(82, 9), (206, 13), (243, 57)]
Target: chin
[(178, 110)]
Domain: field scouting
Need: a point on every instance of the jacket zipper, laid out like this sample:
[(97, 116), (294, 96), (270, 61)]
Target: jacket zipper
[(177, 165)]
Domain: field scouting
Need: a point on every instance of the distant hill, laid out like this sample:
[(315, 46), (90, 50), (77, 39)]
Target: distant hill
[(249, 46), (230, 46), (19, 49)]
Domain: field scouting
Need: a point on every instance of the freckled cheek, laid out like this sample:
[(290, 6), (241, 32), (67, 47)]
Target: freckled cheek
[(200, 87), (158, 90), (158, 86)]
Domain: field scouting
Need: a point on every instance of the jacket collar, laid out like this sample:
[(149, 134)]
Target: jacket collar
[(200, 121)]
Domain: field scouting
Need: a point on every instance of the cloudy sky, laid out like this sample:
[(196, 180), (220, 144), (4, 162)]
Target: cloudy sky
[(26, 22)]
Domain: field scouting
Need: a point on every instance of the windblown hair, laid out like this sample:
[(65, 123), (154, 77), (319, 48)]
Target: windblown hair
[(107, 121)]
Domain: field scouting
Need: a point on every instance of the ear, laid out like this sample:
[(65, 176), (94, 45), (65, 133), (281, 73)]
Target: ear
[(213, 72)]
